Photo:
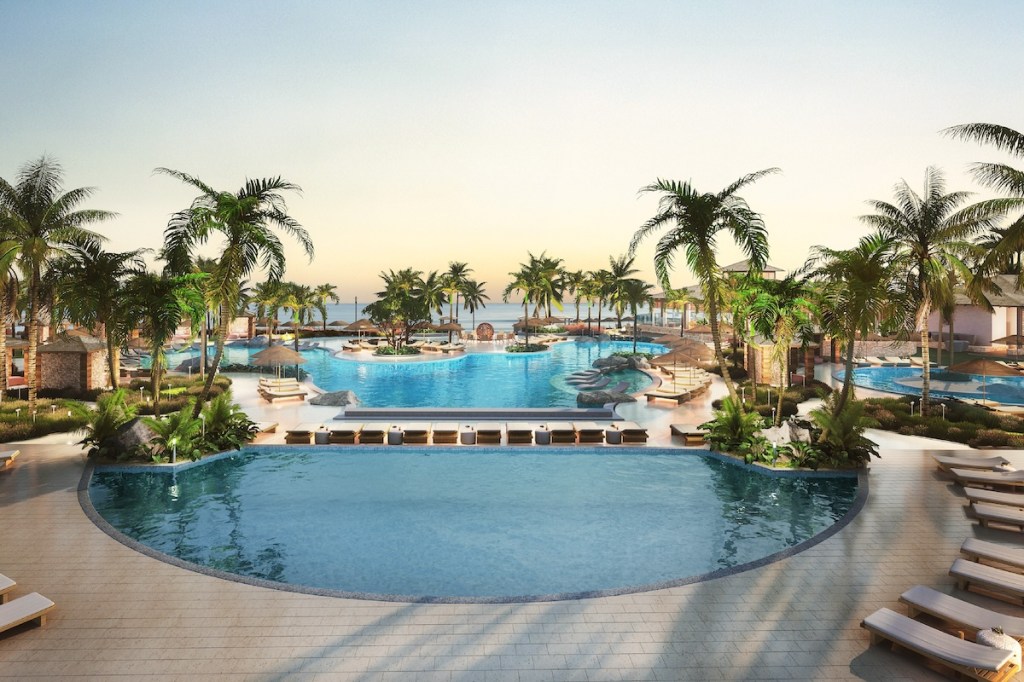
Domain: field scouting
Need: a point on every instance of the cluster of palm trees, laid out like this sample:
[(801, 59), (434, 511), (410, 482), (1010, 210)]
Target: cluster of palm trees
[(49, 254)]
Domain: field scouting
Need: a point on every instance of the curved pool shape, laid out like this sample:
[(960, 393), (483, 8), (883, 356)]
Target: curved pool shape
[(468, 523), (463, 380), (907, 381)]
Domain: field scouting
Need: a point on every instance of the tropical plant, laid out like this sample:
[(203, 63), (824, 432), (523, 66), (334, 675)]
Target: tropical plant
[(473, 297), (731, 428), (575, 281), (10, 288), (621, 270), (322, 293), (178, 432), (844, 442), (111, 413), (695, 219), (246, 220), (932, 238), (40, 221), (300, 300), (430, 290), (267, 296), (226, 426), (401, 308), (453, 282), (634, 293)]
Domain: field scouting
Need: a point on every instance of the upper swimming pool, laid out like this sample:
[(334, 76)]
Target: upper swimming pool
[(463, 380), (469, 523), (907, 381)]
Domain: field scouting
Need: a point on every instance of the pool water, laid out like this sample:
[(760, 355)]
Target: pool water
[(463, 380), (907, 381), (468, 522)]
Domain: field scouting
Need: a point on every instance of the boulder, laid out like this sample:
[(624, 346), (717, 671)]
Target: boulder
[(129, 436), (612, 363), (335, 399), (597, 398), (779, 435)]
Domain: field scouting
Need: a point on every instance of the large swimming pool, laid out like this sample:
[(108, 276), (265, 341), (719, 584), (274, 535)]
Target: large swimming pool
[(468, 523), (907, 381), (464, 380)]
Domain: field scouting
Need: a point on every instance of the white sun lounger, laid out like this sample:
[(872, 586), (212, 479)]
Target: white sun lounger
[(301, 434), (589, 432), (373, 433), (898, 361), (446, 433), (1006, 555), (416, 433), (343, 434), (874, 360), (488, 433), (6, 585), (947, 462), (632, 433), (998, 513), (920, 599), (562, 433), (992, 581), (968, 658), (976, 477), (24, 609), (519, 433), (994, 497), (7, 458)]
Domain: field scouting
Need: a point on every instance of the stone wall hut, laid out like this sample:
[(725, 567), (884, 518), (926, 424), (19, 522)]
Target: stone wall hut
[(73, 363)]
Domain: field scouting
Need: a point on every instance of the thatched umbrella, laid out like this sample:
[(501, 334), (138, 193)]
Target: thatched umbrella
[(338, 323), (1015, 340), (276, 356), (360, 326), (449, 327), (985, 368)]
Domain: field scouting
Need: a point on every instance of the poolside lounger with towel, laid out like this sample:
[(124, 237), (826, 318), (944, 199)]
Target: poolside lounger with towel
[(373, 433), (519, 433), (920, 599), (301, 434), (977, 477), (272, 394), (1005, 555), (343, 434), (445, 433), (588, 432), (488, 433), (7, 458), (976, 661), (632, 433), (6, 585), (416, 433), (562, 433), (999, 513), (24, 609), (947, 462), (994, 582)]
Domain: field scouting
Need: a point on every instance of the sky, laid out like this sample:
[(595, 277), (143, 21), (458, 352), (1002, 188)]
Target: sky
[(423, 133)]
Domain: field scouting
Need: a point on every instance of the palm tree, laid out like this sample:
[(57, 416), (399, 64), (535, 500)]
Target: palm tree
[(574, 282), (621, 269), (529, 281), (473, 297), (781, 310), (858, 287), (933, 238), (92, 292), (159, 303), (695, 219), (681, 298), (635, 293), (603, 283), (246, 220), (40, 221), (322, 293), (10, 288), (299, 299), (267, 296), (548, 271), (590, 290), (431, 290), (452, 282)]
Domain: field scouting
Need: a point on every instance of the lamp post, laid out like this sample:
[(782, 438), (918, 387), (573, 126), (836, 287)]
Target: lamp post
[(142, 398), (203, 417), (773, 416), (743, 395), (943, 411), (913, 404), (174, 450)]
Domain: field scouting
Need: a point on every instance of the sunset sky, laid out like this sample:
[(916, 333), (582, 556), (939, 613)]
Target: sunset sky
[(423, 133)]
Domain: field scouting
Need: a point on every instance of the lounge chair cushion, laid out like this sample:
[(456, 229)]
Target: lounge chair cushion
[(23, 609), (976, 549), (959, 612)]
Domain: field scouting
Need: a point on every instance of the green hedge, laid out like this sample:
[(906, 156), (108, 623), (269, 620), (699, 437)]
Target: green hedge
[(16, 426), (963, 423)]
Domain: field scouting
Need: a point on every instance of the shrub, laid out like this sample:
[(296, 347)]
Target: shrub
[(730, 429), (523, 348), (112, 411)]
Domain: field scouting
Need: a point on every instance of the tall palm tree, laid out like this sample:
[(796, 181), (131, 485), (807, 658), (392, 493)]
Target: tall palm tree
[(92, 288), (40, 221), (781, 310), (857, 288), (322, 293), (10, 289), (453, 282), (604, 282), (590, 291), (933, 238), (621, 270), (695, 219), (267, 297), (548, 272), (159, 303), (473, 297), (246, 220), (634, 293), (680, 298), (529, 280), (430, 288), (574, 282), (299, 299)]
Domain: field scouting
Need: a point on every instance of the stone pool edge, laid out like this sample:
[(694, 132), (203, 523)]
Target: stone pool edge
[(858, 504)]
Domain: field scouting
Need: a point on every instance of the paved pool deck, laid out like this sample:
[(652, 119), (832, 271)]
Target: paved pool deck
[(124, 615)]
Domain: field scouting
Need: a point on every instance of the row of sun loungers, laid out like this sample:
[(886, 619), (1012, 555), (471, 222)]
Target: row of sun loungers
[(31, 607), (482, 433)]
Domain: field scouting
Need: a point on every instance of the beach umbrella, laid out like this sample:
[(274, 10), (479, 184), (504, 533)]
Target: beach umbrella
[(337, 323), (449, 327), (1015, 340), (360, 326), (276, 356), (985, 368)]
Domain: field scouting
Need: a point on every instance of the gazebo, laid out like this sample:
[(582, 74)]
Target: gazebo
[(73, 362)]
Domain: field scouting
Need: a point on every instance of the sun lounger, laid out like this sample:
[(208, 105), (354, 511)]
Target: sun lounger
[(995, 582), (373, 433), (562, 433), (488, 433), (446, 433), (417, 433), (998, 513), (678, 396), (947, 462), (518, 433), (343, 434), (6, 585), (31, 607), (274, 394), (692, 435), (994, 497), (875, 360), (279, 382), (266, 427), (588, 432), (919, 362), (967, 658), (977, 477), (301, 434), (982, 550), (897, 361), (632, 433), (964, 615), (7, 458), (594, 385)]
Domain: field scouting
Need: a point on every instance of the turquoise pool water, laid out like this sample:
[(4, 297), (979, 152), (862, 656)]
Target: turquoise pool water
[(907, 381), (463, 380), (468, 522)]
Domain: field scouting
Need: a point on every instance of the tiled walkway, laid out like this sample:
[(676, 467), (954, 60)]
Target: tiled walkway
[(126, 616)]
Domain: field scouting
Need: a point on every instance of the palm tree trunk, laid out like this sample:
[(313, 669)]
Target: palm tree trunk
[(155, 375), (219, 338), (3, 358), (30, 353), (716, 339), (113, 362), (922, 322), (844, 395)]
